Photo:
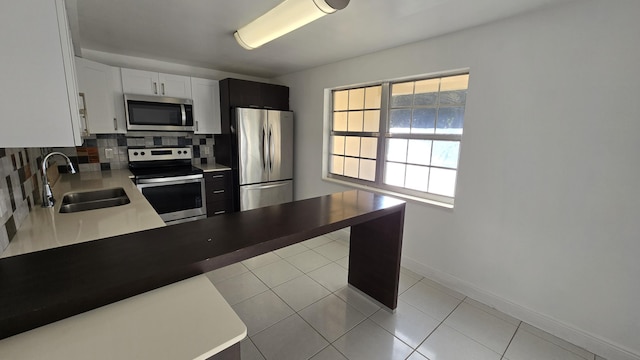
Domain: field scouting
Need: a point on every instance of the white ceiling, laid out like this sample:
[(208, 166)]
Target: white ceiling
[(200, 32)]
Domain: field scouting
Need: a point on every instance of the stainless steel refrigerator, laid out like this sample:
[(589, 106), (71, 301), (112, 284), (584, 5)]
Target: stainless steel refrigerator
[(265, 156)]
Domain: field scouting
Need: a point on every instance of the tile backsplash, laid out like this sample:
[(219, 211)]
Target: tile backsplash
[(21, 178), (92, 155), (20, 184)]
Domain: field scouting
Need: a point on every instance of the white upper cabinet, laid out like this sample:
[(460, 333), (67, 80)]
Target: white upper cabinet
[(38, 91), (206, 106), (102, 89), (175, 86), (152, 83)]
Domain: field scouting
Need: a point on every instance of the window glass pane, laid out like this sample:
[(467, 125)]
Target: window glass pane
[(337, 165), (419, 152), (450, 120), (417, 177), (394, 174), (372, 97), (351, 166), (338, 145), (445, 154), (340, 100), (367, 169), (424, 121), (427, 92), (352, 146), (397, 150), (355, 120), (452, 83), (402, 94), (453, 97), (372, 121), (442, 182), (339, 121), (356, 99), (369, 147), (400, 121)]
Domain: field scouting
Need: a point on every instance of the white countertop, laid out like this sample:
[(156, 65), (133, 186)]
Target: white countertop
[(46, 228), (185, 320), (213, 167)]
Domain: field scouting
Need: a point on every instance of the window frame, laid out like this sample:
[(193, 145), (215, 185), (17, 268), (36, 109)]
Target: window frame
[(382, 135)]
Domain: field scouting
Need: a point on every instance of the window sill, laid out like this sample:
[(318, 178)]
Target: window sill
[(390, 193)]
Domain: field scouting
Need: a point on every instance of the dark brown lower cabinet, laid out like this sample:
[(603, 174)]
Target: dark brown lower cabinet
[(219, 192)]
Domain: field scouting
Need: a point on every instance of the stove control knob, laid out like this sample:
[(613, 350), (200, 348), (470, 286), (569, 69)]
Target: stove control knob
[(135, 153), (185, 152), (179, 152), (142, 153)]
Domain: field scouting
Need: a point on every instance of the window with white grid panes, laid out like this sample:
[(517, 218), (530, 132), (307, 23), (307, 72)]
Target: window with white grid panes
[(401, 136), (425, 130), (355, 133)]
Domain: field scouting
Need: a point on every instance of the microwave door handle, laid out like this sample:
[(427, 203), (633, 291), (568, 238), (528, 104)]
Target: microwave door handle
[(184, 115)]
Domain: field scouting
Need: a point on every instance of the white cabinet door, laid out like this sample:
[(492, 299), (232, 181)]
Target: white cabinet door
[(143, 82), (174, 86), (206, 106), (116, 82), (95, 81), (38, 92), (140, 82)]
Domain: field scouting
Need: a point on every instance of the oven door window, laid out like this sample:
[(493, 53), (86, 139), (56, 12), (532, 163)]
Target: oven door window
[(171, 198), (146, 113)]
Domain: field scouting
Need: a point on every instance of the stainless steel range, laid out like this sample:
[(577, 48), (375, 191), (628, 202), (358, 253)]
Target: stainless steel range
[(170, 183)]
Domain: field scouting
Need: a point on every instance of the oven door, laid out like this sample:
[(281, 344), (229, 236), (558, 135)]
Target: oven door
[(175, 199)]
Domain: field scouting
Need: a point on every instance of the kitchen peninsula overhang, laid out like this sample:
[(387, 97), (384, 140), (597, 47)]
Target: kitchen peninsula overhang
[(46, 286)]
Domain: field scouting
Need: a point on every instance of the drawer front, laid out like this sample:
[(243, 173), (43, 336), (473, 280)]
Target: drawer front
[(218, 192), (217, 208), (216, 195)]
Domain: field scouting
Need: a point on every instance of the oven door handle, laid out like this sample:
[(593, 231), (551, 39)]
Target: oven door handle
[(174, 179)]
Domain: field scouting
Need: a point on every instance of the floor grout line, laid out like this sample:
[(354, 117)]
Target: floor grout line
[(510, 340)]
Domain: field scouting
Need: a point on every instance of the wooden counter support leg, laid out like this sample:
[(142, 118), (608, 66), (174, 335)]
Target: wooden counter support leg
[(374, 257)]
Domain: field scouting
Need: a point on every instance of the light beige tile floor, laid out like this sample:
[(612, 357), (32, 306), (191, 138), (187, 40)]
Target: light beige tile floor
[(296, 304)]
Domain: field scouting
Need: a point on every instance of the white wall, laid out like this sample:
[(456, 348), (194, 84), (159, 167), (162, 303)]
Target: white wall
[(546, 224)]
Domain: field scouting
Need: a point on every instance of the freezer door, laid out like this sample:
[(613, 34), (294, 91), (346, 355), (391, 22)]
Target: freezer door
[(280, 138), (253, 149), (259, 195)]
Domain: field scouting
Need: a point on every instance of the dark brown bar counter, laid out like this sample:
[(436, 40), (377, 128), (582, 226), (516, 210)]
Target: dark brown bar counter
[(46, 286)]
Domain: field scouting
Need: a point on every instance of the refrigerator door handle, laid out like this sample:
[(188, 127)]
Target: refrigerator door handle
[(272, 149), (265, 148)]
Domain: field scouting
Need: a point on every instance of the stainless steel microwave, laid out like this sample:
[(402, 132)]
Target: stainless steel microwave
[(158, 113)]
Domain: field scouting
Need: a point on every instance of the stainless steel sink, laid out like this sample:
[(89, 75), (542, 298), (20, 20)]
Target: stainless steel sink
[(91, 200)]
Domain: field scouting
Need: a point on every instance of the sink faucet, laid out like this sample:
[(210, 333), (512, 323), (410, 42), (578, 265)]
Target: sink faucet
[(47, 194)]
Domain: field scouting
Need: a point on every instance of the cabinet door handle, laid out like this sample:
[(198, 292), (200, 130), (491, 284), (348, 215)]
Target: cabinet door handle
[(217, 176), (155, 88), (115, 124), (218, 191), (219, 212), (162, 88), (196, 126)]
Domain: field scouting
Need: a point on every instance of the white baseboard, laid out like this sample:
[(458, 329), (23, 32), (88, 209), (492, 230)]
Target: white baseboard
[(588, 341)]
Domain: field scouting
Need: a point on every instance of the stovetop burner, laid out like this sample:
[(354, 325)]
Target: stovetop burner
[(161, 162)]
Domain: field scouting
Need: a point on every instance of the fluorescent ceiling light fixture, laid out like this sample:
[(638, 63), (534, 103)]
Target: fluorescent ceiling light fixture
[(284, 18)]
